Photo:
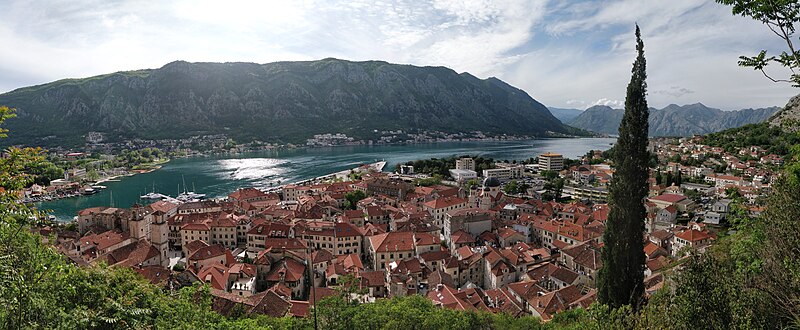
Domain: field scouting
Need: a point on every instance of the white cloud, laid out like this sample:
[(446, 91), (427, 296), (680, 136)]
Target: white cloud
[(608, 102), (673, 91), (690, 44), (566, 53)]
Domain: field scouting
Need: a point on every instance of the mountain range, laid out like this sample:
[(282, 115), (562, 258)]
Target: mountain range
[(280, 102), (673, 120), (565, 115)]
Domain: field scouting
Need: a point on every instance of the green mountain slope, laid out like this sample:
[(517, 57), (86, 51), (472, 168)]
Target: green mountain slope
[(281, 102)]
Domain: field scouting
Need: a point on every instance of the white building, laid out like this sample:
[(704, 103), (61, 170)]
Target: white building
[(463, 175), (551, 162), (713, 217), (505, 173), (465, 163)]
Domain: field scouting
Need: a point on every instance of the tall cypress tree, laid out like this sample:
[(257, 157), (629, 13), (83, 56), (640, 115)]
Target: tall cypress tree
[(620, 281)]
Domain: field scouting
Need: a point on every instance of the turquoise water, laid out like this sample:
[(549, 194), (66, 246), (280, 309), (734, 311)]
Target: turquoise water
[(217, 176)]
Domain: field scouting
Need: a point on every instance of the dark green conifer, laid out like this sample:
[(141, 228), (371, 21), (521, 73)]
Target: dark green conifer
[(620, 280)]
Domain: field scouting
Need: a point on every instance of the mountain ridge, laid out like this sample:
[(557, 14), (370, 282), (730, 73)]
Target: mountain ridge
[(673, 119), (277, 102)]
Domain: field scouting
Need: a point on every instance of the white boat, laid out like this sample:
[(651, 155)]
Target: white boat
[(151, 195), (190, 196)]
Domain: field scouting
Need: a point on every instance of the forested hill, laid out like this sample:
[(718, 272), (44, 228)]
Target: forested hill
[(674, 120), (282, 102)]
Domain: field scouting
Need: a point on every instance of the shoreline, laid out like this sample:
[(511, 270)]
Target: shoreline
[(65, 211), (113, 178), (529, 138)]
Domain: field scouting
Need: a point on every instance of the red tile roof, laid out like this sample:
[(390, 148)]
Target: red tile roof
[(693, 235), (270, 229), (215, 275), (373, 279), (392, 241), (163, 206), (269, 303), (299, 308), (669, 198), (462, 237), (444, 202), (346, 229), (446, 297), (292, 271), (426, 239), (247, 193), (106, 239), (322, 255), (196, 226), (285, 244), (155, 274), (243, 269), (208, 252), (193, 246), (506, 233)]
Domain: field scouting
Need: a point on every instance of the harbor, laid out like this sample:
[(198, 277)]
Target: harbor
[(270, 170)]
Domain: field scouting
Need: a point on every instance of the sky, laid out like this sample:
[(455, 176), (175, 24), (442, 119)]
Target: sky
[(567, 54)]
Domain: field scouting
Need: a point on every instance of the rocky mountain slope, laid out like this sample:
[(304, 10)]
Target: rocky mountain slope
[(282, 102), (788, 118), (673, 120)]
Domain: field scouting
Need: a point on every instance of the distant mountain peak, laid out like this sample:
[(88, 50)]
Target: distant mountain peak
[(599, 107)]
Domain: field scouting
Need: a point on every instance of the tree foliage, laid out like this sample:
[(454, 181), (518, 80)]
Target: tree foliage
[(442, 166), (427, 182), (513, 187), (780, 251), (352, 198), (780, 17), (553, 189), (620, 280)]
